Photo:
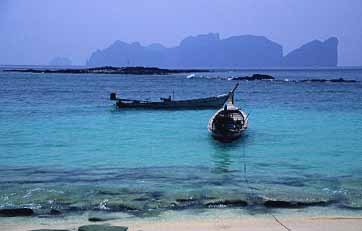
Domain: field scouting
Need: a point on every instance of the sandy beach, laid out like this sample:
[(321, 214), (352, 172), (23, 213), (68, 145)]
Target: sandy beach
[(178, 221), (326, 223), (317, 224)]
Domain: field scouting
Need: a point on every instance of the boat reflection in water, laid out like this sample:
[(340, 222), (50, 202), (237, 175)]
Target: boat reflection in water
[(229, 122)]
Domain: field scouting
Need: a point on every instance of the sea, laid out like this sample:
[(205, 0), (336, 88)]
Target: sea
[(65, 146)]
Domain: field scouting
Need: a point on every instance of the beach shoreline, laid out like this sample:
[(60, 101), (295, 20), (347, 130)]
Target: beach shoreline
[(230, 224), (213, 220)]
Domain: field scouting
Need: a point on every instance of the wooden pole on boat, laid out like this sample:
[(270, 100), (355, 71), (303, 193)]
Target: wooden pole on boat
[(236, 86)]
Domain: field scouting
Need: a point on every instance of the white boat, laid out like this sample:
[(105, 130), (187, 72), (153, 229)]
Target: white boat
[(229, 122)]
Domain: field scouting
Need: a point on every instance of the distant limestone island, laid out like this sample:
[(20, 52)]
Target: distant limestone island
[(209, 51), (60, 61)]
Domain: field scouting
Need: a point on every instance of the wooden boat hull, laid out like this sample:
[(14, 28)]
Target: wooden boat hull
[(204, 103), (228, 135)]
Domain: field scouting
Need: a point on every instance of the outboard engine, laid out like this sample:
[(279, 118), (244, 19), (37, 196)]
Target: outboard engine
[(113, 96)]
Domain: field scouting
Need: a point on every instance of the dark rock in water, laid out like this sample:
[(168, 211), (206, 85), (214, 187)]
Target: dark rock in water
[(184, 203), (231, 202), (55, 212), (18, 212), (340, 80), (122, 207), (50, 230), (255, 77), (142, 199), (280, 204), (262, 77), (314, 80), (294, 204), (315, 203), (100, 219), (351, 207), (185, 200), (111, 70), (102, 228)]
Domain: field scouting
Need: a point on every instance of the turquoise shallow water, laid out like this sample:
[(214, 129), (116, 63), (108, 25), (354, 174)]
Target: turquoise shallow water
[(64, 145)]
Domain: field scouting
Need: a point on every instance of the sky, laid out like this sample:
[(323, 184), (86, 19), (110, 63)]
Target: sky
[(35, 31)]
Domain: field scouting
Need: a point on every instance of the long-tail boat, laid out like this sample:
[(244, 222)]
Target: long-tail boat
[(169, 103), (229, 122)]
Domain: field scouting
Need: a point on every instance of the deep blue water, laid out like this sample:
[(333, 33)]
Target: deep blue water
[(64, 145)]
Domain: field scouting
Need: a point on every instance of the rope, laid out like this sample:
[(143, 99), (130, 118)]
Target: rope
[(245, 175), (279, 222), (252, 188)]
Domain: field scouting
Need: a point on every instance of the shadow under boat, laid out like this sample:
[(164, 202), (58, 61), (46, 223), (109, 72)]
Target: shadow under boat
[(170, 104)]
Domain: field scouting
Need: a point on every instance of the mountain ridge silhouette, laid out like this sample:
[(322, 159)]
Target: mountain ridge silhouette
[(209, 51)]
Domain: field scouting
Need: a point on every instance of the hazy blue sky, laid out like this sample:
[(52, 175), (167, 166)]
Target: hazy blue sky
[(34, 31)]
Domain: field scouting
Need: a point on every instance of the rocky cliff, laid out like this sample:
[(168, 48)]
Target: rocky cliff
[(315, 53), (209, 51)]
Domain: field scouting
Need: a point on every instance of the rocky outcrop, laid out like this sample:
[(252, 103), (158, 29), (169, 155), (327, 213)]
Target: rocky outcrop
[(111, 70), (210, 51), (294, 204), (50, 230), (314, 54), (254, 77), (101, 219), (102, 228), (55, 212), (339, 80), (16, 212), (202, 51)]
